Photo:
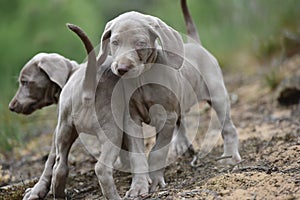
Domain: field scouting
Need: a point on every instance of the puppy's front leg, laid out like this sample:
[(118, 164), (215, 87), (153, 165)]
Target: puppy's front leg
[(42, 187), (138, 161), (158, 154), (104, 169)]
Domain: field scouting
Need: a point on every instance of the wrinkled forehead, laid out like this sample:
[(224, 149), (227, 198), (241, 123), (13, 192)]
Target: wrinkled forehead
[(30, 71), (129, 27), (27, 70)]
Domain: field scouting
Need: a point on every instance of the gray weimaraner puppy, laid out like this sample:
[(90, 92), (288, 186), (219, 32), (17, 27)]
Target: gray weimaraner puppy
[(65, 79), (131, 39)]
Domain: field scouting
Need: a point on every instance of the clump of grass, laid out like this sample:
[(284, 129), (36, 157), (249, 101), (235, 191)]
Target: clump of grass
[(270, 48), (273, 78)]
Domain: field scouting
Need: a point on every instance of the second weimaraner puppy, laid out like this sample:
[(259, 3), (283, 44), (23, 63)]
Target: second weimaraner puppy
[(131, 39)]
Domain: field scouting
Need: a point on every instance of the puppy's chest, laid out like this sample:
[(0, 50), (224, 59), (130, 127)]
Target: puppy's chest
[(149, 95)]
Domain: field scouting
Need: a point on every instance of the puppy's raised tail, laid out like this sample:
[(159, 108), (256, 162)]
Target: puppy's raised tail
[(192, 32), (89, 81)]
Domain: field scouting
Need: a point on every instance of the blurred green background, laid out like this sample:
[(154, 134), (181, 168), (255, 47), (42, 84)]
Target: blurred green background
[(240, 33)]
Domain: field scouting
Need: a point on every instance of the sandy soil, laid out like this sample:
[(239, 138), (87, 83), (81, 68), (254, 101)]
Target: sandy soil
[(269, 146)]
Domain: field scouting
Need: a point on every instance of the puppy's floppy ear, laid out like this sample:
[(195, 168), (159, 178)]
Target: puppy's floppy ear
[(171, 41), (56, 67), (104, 47)]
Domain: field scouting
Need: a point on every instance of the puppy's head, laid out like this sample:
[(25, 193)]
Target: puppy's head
[(131, 39), (40, 83)]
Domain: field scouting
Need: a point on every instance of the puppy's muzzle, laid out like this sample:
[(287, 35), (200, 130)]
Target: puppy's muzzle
[(13, 105), (123, 68)]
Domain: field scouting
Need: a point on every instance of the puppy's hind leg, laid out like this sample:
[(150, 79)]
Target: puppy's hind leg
[(123, 163), (66, 135), (181, 142), (158, 155), (221, 105)]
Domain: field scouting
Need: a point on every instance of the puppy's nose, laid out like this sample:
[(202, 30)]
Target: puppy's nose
[(12, 105), (122, 69), (11, 108)]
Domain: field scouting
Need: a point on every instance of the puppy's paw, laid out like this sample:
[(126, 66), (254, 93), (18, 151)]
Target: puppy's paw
[(139, 187), (37, 192), (158, 180)]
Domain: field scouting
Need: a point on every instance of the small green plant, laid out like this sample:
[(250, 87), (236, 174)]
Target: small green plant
[(270, 47), (273, 78)]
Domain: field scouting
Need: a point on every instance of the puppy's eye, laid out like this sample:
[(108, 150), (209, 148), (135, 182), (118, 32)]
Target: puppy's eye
[(141, 44), (115, 43), (24, 83)]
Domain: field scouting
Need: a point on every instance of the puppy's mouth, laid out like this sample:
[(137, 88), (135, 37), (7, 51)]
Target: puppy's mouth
[(125, 71), (22, 109), (30, 108), (27, 110)]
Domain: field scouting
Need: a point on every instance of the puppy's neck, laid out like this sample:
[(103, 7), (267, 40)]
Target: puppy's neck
[(56, 95)]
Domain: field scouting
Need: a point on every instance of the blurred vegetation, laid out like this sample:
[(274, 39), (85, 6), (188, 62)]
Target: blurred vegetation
[(273, 78), (238, 32)]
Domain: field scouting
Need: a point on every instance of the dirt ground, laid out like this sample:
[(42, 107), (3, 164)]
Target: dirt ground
[(269, 146)]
